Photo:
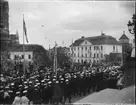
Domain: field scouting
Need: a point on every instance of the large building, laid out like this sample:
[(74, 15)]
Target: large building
[(4, 24), (30, 54), (94, 49), (14, 39)]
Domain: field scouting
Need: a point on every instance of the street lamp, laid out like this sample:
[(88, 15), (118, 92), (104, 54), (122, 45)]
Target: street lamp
[(131, 25)]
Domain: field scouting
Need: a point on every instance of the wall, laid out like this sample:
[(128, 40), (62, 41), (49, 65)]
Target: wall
[(107, 49), (12, 55)]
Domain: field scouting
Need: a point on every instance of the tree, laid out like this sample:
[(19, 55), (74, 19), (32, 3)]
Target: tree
[(5, 62), (40, 57)]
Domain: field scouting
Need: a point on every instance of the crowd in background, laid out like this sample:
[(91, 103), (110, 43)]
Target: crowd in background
[(47, 86)]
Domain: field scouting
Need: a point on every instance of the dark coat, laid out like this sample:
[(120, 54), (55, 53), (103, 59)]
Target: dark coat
[(57, 94)]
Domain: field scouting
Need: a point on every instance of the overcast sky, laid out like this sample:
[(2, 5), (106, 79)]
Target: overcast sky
[(63, 20)]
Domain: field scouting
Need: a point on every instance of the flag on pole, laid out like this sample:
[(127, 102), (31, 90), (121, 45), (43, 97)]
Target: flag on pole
[(24, 29), (55, 58)]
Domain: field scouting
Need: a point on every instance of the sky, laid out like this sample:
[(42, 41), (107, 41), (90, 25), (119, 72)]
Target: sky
[(62, 21)]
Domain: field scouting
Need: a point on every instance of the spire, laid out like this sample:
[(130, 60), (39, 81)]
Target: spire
[(123, 32), (102, 34)]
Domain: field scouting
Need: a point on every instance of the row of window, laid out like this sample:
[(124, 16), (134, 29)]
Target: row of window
[(22, 56), (95, 55), (82, 61), (95, 48)]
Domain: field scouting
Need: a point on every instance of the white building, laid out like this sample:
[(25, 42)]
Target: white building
[(94, 49), (18, 56)]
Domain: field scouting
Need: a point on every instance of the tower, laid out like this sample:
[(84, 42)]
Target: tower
[(124, 40), (4, 24)]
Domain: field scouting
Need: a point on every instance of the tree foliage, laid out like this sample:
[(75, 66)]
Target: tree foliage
[(40, 57)]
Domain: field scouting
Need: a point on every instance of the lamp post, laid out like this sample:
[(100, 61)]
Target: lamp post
[(131, 25), (129, 66)]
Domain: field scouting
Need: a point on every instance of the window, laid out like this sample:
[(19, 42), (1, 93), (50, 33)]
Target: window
[(78, 48), (86, 55), (82, 55), (74, 48), (29, 56), (78, 54), (90, 54), (94, 47), (78, 61), (101, 47), (97, 47), (113, 47), (82, 48), (85, 48), (71, 49), (101, 55), (22, 56), (15, 57), (97, 55), (94, 55), (82, 61), (85, 42), (90, 48)]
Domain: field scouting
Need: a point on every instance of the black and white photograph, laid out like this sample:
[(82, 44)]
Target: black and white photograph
[(67, 52)]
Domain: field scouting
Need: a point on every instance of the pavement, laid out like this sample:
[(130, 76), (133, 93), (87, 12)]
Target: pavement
[(110, 96)]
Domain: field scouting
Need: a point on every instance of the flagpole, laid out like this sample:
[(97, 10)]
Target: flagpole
[(72, 53), (23, 47), (55, 59)]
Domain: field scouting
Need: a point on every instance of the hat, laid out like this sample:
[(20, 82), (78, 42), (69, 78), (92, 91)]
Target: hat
[(57, 81), (25, 91), (17, 93), (30, 82), (49, 82), (12, 84), (7, 87), (10, 91), (62, 79), (20, 85), (42, 81), (26, 87), (36, 80), (66, 80), (25, 82), (35, 85)]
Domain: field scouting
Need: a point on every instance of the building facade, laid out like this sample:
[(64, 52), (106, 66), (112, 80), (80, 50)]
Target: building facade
[(14, 39), (4, 24), (94, 49)]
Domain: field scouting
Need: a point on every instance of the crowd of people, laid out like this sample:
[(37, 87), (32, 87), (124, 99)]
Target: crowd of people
[(46, 86)]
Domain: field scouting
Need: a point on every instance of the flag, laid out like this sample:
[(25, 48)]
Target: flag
[(24, 29)]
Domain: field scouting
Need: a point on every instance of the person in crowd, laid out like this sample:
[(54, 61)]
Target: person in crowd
[(17, 100), (24, 99)]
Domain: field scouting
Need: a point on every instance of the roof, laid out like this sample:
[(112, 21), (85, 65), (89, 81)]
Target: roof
[(98, 40), (13, 36), (123, 37), (28, 47)]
